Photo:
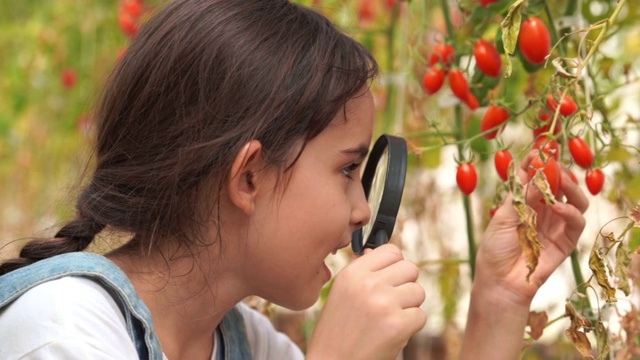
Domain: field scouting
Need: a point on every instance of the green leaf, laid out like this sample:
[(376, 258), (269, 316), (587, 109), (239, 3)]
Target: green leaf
[(511, 27), (618, 153)]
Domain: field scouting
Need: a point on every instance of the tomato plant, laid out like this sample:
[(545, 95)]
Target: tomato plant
[(545, 128), (493, 118), (548, 146), (433, 79), (580, 152), (567, 107), (502, 159), (459, 85), (534, 40), (467, 178), (487, 58), (549, 166), (595, 180), (443, 53)]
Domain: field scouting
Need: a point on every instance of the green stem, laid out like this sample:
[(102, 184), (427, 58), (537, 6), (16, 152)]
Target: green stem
[(460, 136), (554, 32), (466, 201), (449, 23), (577, 275)]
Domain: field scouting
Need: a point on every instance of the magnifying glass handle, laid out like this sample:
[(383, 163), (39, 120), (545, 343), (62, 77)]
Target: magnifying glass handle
[(381, 238)]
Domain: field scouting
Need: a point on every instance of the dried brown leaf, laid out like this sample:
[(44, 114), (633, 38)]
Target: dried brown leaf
[(537, 321), (598, 266), (540, 181), (527, 233), (576, 333)]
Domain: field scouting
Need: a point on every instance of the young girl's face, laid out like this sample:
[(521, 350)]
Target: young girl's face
[(294, 229)]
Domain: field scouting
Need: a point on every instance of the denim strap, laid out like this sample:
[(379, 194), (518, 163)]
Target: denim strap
[(234, 344)]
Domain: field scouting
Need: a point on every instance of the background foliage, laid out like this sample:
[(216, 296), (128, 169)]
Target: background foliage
[(57, 54)]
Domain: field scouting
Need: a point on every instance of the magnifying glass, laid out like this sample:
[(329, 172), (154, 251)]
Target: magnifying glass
[(383, 182)]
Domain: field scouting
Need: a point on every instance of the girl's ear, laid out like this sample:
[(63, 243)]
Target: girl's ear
[(241, 186)]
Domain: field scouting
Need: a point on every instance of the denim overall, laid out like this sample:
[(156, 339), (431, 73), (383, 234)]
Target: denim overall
[(234, 344)]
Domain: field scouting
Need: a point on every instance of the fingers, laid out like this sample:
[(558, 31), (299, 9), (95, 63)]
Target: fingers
[(574, 194), (410, 295), (573, 219), (382, 256)]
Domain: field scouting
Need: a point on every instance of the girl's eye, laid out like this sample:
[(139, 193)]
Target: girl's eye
[(349, 169)]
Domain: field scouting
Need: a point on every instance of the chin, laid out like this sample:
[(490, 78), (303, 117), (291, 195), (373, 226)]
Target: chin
[(299, 300)]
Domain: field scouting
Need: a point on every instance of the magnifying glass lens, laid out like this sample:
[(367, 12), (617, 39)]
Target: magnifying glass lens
[(383, 182), (375, 194)]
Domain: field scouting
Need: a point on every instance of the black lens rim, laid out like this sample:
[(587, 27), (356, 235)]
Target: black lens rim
[(384, 221)]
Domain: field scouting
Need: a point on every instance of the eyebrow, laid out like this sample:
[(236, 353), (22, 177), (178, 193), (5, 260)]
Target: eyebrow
[(360, 151)]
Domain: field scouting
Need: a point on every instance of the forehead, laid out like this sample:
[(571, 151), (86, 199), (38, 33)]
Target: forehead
[(355, 118)]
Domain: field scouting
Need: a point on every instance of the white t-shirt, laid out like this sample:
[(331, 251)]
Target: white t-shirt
[(77, 319)]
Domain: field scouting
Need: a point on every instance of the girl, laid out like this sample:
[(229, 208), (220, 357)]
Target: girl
[(229, 140)]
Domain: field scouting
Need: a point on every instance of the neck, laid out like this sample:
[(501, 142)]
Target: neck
[(187, 297)]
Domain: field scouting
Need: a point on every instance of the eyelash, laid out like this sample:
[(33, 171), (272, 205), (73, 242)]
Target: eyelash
[(349, 169)]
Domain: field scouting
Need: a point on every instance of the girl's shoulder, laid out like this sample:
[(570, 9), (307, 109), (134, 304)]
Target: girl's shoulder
[(70, 317)]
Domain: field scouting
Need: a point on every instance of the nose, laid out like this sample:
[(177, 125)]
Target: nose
[(361, 212)]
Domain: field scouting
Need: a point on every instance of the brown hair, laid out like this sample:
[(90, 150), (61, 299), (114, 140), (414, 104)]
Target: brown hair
[(200, 80)]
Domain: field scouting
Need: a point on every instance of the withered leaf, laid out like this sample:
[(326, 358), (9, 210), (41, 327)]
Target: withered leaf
[(598, 266), (580, 341), (527, 234), (537, 321), (622, 269), (540, 181), (578, 321), (635, 215), (576, 333)]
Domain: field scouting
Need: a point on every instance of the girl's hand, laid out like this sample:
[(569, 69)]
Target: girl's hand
[(500, 265), (501, 296), (372, 310)]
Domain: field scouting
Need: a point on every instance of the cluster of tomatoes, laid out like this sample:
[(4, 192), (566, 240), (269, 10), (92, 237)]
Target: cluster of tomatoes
[(534, 44), (129, 15)]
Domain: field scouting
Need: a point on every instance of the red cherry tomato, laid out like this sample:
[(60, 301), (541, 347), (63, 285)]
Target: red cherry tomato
[(492, 119), (367, 10), (459, 85), (487, 58), (502, 160), (467, 178), (534, 40), (551, 170), (433, 79), (580, 152), (69, 78), (493, 210), (544, 115), (595, 180), (442, 53), (567, 107), (548, 146), (486, 3), (128, 23), (133, 7), (472, 101)]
